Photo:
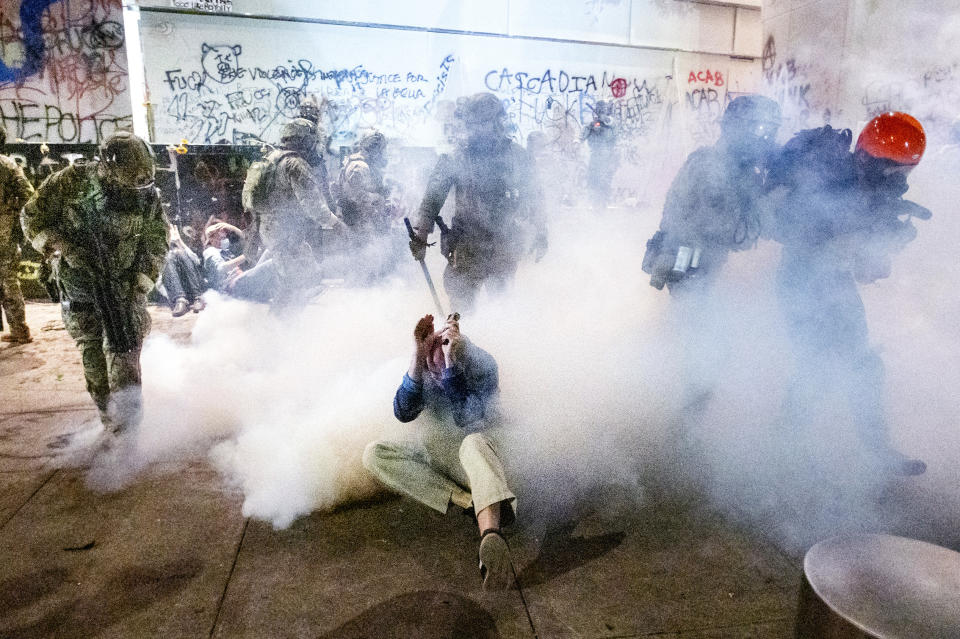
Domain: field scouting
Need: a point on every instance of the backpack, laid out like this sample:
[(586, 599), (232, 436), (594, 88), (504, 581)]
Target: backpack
[(347, 188), (820, 154), (260, 180)]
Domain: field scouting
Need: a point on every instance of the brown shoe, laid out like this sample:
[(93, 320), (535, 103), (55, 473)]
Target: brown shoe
[(180, 307), (198, 305)]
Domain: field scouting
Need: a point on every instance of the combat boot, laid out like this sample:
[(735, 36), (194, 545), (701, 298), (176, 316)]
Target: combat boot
[(18, 337)]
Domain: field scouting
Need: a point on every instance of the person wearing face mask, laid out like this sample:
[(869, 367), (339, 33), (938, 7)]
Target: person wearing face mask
[(102, 225), (841, 217), (601, 137), (711, 207), (498, 204), (454, 458)]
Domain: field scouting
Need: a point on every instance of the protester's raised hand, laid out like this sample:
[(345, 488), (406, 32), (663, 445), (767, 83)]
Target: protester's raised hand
[(423, 329)]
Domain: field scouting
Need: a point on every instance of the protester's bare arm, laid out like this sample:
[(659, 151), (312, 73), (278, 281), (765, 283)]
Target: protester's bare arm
[(230, 228)]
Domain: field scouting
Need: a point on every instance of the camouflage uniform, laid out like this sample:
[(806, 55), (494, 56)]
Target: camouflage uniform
[(15, 190), (362, 194), (367, 210), (112, 243), (295, 207), (497, 209)]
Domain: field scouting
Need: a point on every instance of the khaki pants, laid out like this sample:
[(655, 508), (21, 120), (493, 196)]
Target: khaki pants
[(444, 462)]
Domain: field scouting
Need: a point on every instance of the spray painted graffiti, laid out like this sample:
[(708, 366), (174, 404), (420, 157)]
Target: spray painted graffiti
[(561, 103), (931, 95), (63, 75), (788, 84), (226, 98)]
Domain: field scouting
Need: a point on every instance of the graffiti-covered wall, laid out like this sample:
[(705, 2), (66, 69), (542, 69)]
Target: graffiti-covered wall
[(63, 70), (843, 62), (215, 79)]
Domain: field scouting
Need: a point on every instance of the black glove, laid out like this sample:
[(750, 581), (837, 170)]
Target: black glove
[(418, 248)]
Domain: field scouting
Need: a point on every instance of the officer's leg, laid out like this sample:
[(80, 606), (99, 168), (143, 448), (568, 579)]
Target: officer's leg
[(124, 375), (500, 269), (461, 287), (84, 327), (12, 295)]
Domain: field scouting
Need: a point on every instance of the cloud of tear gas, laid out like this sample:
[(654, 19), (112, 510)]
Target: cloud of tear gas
[(283, 404), (601, 383)]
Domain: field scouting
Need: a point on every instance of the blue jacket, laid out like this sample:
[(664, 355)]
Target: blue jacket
[(466, 392)]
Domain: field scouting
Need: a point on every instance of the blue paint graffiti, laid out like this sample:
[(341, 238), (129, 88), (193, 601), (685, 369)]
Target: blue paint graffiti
[(31, 12)]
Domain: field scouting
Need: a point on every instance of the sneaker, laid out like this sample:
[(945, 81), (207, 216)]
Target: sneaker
[(496, 569), (181, 307), (198, 305)]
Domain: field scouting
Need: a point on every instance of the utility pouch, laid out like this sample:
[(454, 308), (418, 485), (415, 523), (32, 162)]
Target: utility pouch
[(448, 239), (654, 246)]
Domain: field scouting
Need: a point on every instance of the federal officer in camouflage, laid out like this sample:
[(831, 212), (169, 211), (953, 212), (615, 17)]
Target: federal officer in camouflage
[(15, 190), (291, 206), (102, 224), (362, 195), (498, 214), (367, 208)]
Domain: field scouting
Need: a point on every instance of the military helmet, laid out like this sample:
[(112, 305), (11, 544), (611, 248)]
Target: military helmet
[(299, 133), (480, 107), (752, 108), (373, 143), (128, 160)]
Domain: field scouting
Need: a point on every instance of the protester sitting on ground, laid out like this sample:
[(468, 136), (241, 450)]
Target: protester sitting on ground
[(182, 277), (223, 253), (453, 457), (224, 258)]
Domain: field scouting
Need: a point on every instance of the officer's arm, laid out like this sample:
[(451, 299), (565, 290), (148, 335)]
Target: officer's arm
[(438, 187), (681, 209), (153, 248), (19, 190), (42, 215), (307, 192), (324, 184)]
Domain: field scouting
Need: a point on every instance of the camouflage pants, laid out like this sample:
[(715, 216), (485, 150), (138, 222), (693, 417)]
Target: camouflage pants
[(12, 296), (113, 379)]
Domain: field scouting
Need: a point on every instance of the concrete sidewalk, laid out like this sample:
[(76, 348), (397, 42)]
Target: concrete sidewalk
[(172, 555)]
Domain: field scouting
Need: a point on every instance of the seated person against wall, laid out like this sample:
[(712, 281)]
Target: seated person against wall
[(223, 260), (453, 457), (181, 280)]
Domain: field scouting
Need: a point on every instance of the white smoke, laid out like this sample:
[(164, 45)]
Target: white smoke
[(596, 376), (600, 379)]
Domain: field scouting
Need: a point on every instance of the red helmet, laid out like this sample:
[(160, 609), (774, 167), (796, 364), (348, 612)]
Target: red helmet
[(893, 136)]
